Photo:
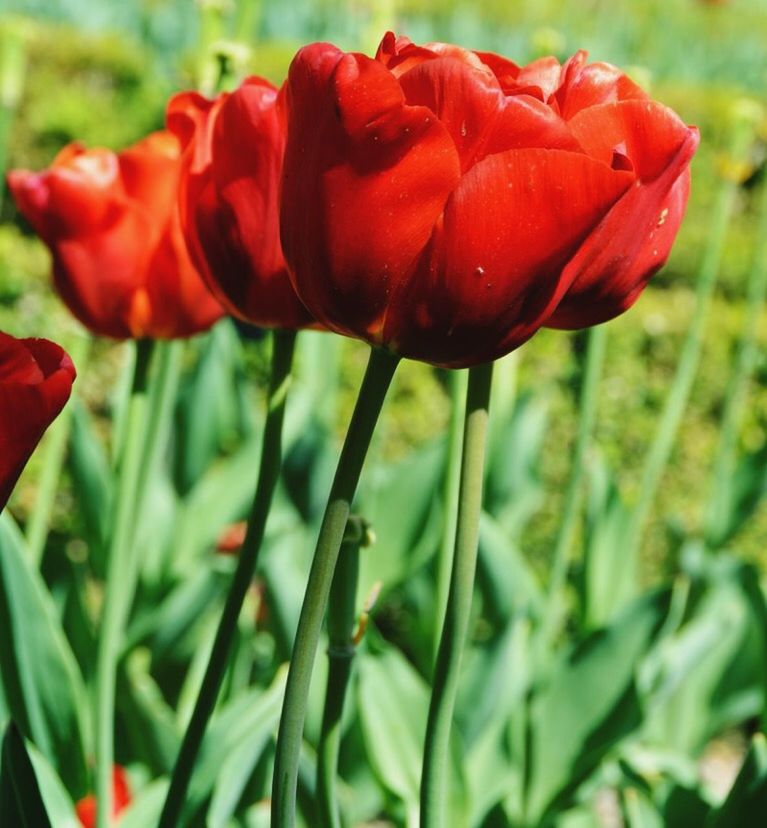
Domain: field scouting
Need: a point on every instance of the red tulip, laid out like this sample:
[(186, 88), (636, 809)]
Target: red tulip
[(446, 204), (229, 197), (121, 798), (36, 379), (111, 223)]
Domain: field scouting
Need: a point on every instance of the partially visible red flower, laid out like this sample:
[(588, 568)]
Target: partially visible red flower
[(121, 798), (111, 222), (229, 199), (230, 541), (36, 379), (446, 204)]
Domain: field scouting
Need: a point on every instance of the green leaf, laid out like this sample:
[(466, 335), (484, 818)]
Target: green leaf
[(249, 720), (393, 703), (40, 677), (57, 801), (696, 689), (208, 406), (608, 579), (747, 800), (401, 506), (220, 497), (20, 797), (587, 704), (513, 487), (92, 479)]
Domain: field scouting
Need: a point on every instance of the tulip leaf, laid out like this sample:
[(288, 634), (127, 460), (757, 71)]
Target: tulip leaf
[(587, 703), (21, 803), (393, 701), (220, 497), (401, 506), (249, 721), (41, 680), (92, 478)]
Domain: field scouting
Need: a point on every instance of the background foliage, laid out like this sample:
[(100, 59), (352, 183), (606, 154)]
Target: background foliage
[(639, 708)]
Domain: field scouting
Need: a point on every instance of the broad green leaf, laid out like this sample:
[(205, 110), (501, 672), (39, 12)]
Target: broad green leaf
[(40, 677), (693, 694), (400, 504), (251, 720), (393, 703), (220, 497), (587, 704), (57, 801), (150, 729), (513, 486), (208, 406), (508, 584), (146, 806), (608, 580), (92, 478), (20, 797)]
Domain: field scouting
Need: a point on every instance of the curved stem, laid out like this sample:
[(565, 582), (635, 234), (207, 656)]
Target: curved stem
[(434, 780), (116, 601), (341, 649), (378, 376), (268, 475)]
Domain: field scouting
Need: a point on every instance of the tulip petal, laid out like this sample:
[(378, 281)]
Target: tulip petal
[(365, 179), (493, 269), (589, 85), (633, 242), (35, 382), (480, 118)]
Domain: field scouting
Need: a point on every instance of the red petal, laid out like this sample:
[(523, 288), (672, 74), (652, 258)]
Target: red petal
[(648, 133), (593, 84), (365, 179), (36, 379), (479, 117), (493, 269)]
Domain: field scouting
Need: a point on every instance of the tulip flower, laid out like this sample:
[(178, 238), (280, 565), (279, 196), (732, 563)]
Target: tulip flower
[(121, 798), (446, 204), (36, 379), (229, 199), (111, 222)]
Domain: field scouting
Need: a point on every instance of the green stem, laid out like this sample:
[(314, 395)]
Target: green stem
[(436, 764), (452, 480), (735, 399), (54, 451), (342, 614), (116, 600), (661, 447), (595, 355), (378, 376), (268, 475)]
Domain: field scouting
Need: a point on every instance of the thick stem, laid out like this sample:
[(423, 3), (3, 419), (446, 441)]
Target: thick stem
[(268, 475), (378, 376), (434, 780), (116, 601), (452, 480), (342, 613)]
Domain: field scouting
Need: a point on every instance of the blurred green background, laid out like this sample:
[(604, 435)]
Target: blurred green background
[(101, 72)]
